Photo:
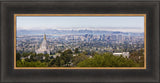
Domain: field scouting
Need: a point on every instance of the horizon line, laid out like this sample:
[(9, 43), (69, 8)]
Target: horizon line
[(79, 30)]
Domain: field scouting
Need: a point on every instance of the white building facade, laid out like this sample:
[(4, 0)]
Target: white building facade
[(124, 54)]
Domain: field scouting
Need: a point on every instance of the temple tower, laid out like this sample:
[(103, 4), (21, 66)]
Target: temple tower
[(43, 47)]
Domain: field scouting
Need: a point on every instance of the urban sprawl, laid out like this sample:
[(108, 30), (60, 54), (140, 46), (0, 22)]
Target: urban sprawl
[(117, 43)]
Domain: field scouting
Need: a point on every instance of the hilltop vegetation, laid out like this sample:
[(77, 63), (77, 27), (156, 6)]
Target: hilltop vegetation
[(66, 59), (107, 60)]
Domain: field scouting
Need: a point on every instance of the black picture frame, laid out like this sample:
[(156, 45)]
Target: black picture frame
[(9, 8)]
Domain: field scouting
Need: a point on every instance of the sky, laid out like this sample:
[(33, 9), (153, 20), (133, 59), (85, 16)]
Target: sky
[(107, 23)]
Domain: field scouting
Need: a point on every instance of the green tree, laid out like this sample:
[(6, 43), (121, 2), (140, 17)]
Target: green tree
[(138, 57), (76, 51), (30, 64), (59, 62), (67, 56), (46, 58), (52, 62), (69, 51), (24, 54), (18, 56), (107, 60), (79, 58)]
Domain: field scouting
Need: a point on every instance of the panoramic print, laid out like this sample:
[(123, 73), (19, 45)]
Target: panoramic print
[(80, 41)]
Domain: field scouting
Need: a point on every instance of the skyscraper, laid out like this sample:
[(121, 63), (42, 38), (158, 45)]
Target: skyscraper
[(120, 38)]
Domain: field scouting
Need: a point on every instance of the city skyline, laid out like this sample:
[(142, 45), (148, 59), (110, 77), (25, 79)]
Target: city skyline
[(80, 41), (106, 23)]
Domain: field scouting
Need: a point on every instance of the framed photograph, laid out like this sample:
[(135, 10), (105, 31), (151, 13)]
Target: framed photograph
[(79, 41)]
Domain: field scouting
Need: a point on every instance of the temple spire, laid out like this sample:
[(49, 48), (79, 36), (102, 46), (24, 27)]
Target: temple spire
[(43, 47), (45, 36)]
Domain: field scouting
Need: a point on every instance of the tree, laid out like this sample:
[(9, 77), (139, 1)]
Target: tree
[(59, 51), (79, 58), (138, 57), (30, 64), (52, 62), (107, 60), (40, 54), (69, 51), (46, 58), (32, 57), (24, 54), (18, 56), (67, 56), (59, 62), (76, 50)]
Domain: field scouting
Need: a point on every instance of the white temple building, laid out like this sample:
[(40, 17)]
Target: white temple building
[(43, 47)]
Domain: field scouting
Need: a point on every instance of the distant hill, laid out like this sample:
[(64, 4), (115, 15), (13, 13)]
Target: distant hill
[(74, 32)]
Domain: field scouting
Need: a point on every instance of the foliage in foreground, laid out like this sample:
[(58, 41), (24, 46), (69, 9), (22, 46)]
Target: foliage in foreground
[(107, 60), (66, 59), (31, 64)]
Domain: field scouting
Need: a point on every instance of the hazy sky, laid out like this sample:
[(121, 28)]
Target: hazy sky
[(110, 23)]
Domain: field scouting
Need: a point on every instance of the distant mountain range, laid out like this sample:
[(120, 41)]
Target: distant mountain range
[(74, 32)]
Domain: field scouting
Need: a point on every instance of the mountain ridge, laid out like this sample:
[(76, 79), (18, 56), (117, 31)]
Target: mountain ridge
[(76, 32)]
